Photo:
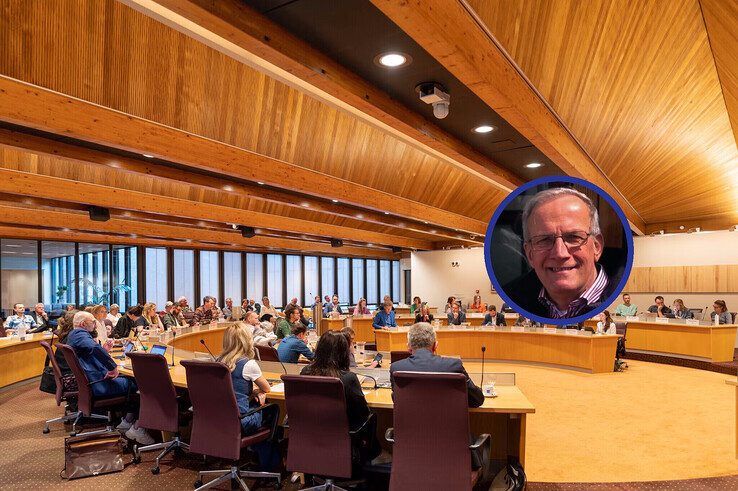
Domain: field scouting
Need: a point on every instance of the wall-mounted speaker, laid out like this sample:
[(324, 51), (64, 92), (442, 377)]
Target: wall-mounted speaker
[(396, 249), (336, 243), (247, 232), (98, 214)]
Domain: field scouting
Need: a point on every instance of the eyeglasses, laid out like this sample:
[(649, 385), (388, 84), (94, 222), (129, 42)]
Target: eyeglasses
[(574, 239)]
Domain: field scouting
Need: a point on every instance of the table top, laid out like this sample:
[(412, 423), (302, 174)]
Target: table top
[(30, 338)]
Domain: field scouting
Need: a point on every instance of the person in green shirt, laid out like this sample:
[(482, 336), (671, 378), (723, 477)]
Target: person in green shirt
[(626, 308), (415, 306), (291, 319)]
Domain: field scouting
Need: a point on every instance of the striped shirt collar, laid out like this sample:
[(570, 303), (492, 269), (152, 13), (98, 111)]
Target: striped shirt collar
[(593, 293)]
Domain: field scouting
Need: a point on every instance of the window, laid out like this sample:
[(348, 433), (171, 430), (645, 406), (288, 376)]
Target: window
[(94, 261), (184, 276), (344, 278), (384, 279), (156, 275), (371, 281), (19, 273), (125, 276), (328, 285), (232, 276), (209, 275), (396, 281), (274, 280), (358, 266), (57, 265), (294, 278), (311, 280), (255, 276)]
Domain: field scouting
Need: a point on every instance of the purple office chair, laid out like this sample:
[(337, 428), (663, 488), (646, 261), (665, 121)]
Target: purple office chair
[(319, 433), (61, 394), (216, 425), (267, 353), (398, 355), (438, 459), (86, 400), (159, 408)]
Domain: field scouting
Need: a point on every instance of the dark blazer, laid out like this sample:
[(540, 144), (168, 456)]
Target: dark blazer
[(425, 361), (419, 318), (123, 327), (499, 319), (39, 327), (461, 318), (666, 311)]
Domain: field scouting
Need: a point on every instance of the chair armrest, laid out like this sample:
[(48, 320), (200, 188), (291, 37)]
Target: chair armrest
[(256, 410), (363, 425), (389, 435), (481, 439)]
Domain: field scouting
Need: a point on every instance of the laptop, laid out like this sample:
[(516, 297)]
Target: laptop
[(158, 349)]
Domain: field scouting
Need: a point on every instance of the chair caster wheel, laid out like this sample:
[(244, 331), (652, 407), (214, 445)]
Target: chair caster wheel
[(136, 460), (74, 433), (197, 484), (46, 431), (155, 470)]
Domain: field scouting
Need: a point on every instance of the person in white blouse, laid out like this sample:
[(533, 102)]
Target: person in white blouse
[(100, 312), (606, 325), (114, 314), (267, 308)]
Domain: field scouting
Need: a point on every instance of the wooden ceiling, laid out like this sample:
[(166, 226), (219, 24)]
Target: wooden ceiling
[(636, 97)]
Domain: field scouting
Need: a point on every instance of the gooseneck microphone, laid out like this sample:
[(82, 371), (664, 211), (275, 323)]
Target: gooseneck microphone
[(202, 342), (484, 348), (174, 338)]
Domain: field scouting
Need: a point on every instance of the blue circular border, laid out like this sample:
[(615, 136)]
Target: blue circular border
[(545, 180)]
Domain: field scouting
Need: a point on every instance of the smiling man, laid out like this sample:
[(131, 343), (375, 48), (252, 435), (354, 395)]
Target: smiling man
[(563, 244)]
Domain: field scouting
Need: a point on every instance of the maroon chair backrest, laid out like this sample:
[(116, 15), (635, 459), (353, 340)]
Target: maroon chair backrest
[(431, 422), (57, 372), (159, 409), (319, 430), (84, 394), (620, 327), (267, 353), (398, 355), (216, 425)]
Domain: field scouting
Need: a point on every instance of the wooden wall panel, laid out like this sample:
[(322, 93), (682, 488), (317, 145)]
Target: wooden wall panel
[(684, 279)]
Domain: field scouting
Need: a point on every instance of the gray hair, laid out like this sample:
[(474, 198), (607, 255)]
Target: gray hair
[(168, 304), (421, 335), (81, 317), (114, 306), (549, 194), (208, 298)]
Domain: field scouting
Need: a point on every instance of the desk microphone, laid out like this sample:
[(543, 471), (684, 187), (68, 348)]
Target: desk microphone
[(484, 348), (704, 313), (174, 334), (144, 348), (202, 342)]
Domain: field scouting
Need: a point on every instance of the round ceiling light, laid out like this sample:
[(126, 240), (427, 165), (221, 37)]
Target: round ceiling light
[(534, 165), (484, 128), (392, 59)]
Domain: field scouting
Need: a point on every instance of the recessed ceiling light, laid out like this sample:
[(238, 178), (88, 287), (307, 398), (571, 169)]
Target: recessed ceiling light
[(425, 223), (681, 227), (335, 200), (65, 230), (369, 245), (228, 188), (259, 183), (534, 165), (386, 213), (305, 205), (392, 59), (359, 216), (484, 128), (148, 156)]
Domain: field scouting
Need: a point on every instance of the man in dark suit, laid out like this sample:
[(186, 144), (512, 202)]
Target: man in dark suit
[(492, 317), (41, 318), (422, 344)]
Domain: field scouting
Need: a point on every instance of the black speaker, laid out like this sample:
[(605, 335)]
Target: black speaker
[(396, 249), (247, 232), (99, 214), (336, 243)]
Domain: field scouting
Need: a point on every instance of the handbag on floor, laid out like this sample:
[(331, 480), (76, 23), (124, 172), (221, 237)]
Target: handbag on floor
[(92, 455), (48, 383)]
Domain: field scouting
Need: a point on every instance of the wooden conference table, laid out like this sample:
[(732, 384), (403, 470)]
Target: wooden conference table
[(21, 360), (504, 417)]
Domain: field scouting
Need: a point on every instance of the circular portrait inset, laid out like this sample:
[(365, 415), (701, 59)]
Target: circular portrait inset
[(558, 250)]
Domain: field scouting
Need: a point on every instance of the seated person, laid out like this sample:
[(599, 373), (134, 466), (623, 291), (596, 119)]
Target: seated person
[(227, 310), (205, 313), (424, 314), (522, 321), (477, 305), (660, 309), (114, 314), (351, 338), (493, 318), (449, 304), (415, 306), (332, 360), (385, 318), (19, 318), (267, 308), (422, 344), (173, 317), (294, 345), (680, 311), (97, 363), (290, 322), (386, 299), (456, 316), (250, 387), (626, 308), (64, 327), (127, 323), (606, 325), (721, 310), (42, 319), (361, 308), (332, 307), (260, 335)]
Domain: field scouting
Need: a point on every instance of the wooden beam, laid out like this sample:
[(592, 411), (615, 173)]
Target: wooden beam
[(19, 183), (44, 146), (81, 222), (460, 42), (241, 32), (42, 109)]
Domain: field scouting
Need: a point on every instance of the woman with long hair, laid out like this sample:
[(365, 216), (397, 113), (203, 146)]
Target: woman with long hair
[(680, 311), (415, 306), (606, 324), (150, 318), (721, 311), (361, 308), (477, 305), (424, 314), (250, 387)]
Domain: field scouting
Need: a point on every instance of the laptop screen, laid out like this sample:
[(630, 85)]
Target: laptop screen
[(158, 349), (128, 347)]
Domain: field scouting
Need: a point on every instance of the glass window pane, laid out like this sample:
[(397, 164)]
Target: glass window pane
[(294, 278), (125, 276), (311, 280), (19, 273), (358, 265), (156, 275), (93, 282), (209, 275), (274, 280), (343, 280), (371, 281), (184, 276), (396, 281), (58, 285), (384, 279), (328, 285), (255, 276), (232, 277)]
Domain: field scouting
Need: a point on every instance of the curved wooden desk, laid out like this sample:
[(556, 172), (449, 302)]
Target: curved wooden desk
[(21, 360), (190, 341), (593, 353), (711, 343)]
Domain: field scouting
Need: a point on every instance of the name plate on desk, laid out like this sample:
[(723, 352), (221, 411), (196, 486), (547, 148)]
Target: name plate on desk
[(692, 322), (661, 320), (517, 329), (631, 318), (572, 332), (549, 330)]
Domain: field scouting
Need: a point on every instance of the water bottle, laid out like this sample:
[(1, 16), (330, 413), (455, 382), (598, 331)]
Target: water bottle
[(22, 331)]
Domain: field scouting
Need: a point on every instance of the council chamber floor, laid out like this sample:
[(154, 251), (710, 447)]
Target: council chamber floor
[(652, 422)]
